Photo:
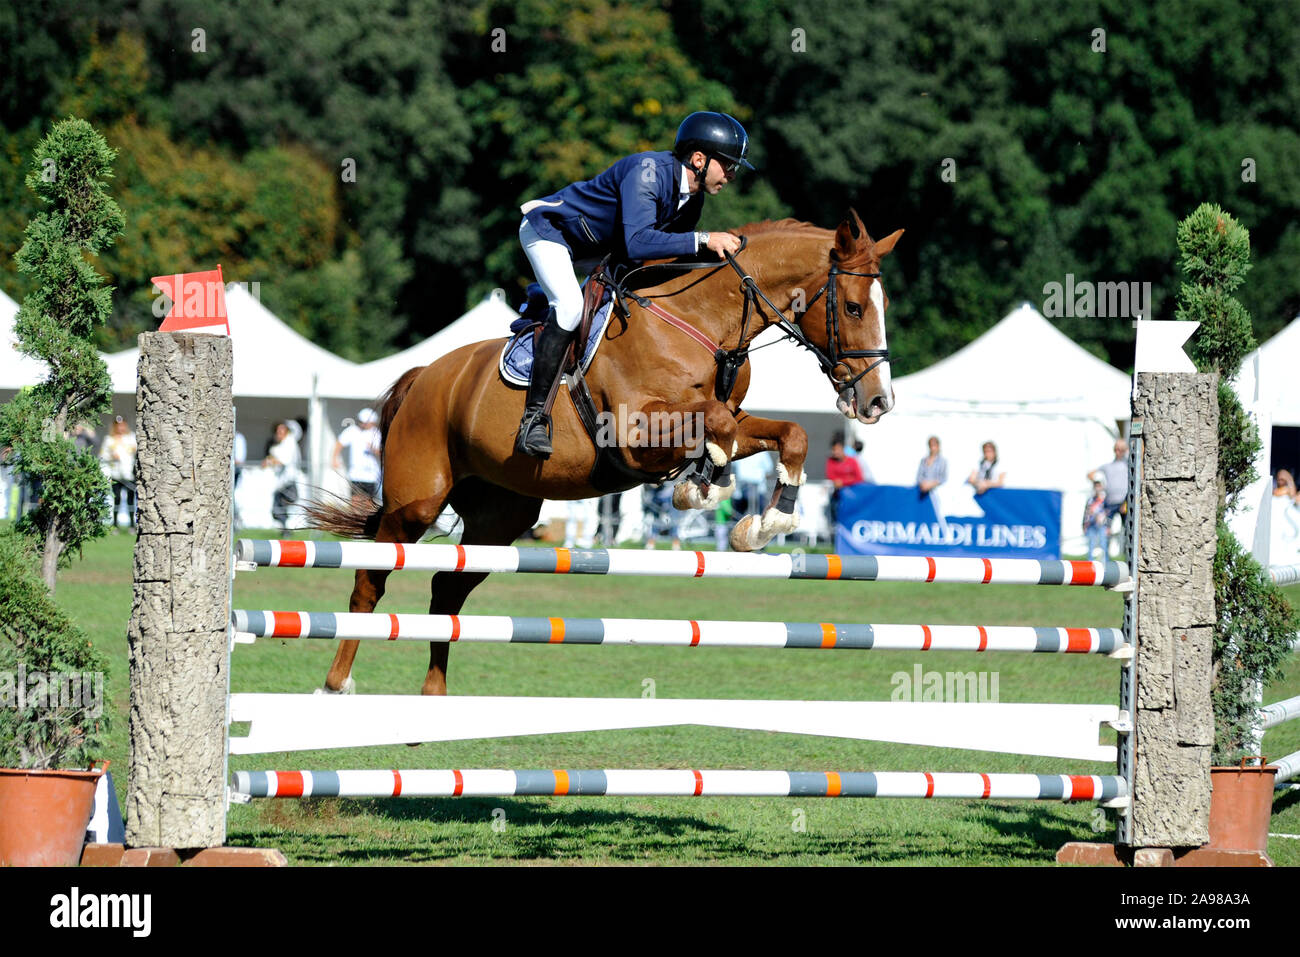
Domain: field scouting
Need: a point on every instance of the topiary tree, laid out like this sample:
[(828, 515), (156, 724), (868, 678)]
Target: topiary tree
[(69, 170), (52, 704), (1255, 623)]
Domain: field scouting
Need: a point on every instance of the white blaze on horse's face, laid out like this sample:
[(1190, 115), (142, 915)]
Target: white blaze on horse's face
[(886, 387), (856, 403)]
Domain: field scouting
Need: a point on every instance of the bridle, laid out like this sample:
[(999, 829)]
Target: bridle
[(834, 355), (730, 360)]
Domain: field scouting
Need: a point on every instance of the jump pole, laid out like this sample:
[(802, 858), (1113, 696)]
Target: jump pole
[(684, 783), (675, 632)]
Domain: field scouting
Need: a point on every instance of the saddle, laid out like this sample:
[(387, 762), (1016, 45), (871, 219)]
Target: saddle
[(609, 472)]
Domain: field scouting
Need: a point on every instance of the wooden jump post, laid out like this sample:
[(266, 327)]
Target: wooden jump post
[(178, 636)]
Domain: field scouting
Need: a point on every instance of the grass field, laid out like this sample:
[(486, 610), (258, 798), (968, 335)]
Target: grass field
[(781, 831)]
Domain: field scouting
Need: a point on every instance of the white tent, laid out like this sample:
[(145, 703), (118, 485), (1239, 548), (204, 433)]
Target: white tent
[(16, 369), (1269, 388), (490, 319), (1052, 409), (271, 360), (276, 376)]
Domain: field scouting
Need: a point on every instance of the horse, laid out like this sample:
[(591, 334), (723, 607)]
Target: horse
[(448, 428)]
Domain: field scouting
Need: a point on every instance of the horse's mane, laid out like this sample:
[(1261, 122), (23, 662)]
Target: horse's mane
[(797, 228), (780, 225)]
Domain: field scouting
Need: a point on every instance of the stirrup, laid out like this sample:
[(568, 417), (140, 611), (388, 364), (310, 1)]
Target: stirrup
[(534, 434)]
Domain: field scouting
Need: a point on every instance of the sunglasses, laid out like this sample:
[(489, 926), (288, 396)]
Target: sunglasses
[(729, 166)]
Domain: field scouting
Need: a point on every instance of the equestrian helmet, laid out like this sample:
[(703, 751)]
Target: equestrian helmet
[(713, 134)]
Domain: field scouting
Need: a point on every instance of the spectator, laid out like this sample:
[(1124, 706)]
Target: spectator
[(364, 465), (284, 458), (1284, 485), (580, 522), (841, 471), (1096, 527), (933, 470), (1115, 475), (610, 518), (856, 452), (753, 481), (986, 474), (117, 456), (240, 457), (84, 438), (8, 500), (660, 517)]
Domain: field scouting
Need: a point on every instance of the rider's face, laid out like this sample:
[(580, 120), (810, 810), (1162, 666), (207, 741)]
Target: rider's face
[(715, 177)]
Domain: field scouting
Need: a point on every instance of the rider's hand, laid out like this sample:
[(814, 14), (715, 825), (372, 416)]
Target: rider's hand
[(722, 243)]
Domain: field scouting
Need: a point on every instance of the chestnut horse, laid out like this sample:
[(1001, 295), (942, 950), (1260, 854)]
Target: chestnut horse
[(448, 428)]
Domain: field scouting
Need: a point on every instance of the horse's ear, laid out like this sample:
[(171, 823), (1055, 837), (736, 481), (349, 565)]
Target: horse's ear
[(886, 245), (847, 235)]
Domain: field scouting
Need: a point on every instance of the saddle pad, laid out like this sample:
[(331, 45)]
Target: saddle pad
[(516, 362)]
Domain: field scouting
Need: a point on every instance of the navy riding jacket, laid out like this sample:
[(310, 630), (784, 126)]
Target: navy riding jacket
[(629, 210)]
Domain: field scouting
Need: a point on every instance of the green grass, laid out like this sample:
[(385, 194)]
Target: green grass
[(331, 831)]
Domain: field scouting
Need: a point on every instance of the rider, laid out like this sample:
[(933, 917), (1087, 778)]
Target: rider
[(645, 206)]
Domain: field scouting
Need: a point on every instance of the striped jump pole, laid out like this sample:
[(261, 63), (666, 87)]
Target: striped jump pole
[(685, 783), (1287, 768), (392, 556), (1285, 574), (1279, 712), (675, 632)]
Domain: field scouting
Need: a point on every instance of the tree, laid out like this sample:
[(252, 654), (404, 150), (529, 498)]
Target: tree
[(56, 324), (1076, 133), (574, 86)]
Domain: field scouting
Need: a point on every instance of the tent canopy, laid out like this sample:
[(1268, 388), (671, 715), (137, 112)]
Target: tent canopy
[(271, 359), (1267, 382), (1025, 365), (16, 369), (490, 319)]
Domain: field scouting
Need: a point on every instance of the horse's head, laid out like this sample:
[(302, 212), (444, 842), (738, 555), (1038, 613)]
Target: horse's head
[(854, 306)]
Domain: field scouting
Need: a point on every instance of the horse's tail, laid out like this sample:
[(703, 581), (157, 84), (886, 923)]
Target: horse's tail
[(341, 516)]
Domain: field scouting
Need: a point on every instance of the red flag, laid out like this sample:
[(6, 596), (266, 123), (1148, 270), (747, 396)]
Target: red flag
[(198, 302)]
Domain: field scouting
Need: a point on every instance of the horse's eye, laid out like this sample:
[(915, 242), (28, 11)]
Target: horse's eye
[(853, 309)]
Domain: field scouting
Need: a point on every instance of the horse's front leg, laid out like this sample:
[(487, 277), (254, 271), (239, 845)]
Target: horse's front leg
[(754, 435), (704, 433)]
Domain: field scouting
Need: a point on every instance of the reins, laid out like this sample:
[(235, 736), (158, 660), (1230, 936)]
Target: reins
[(730, 360)]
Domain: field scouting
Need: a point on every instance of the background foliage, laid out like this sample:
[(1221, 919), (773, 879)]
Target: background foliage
[(1067, 160)]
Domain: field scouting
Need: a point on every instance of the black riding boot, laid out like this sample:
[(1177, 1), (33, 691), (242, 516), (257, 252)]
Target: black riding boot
[(535, 427)]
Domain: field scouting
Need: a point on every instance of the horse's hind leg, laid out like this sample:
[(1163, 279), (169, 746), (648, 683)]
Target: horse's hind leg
[(492, 516), (404, 524)]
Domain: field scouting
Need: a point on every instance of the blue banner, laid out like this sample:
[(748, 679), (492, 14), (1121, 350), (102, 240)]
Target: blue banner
[(950, 521)]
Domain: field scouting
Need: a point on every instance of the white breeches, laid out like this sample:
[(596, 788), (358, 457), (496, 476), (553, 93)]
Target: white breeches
[(553, 265)]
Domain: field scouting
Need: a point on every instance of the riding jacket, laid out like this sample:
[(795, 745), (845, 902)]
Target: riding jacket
[(630, 211)]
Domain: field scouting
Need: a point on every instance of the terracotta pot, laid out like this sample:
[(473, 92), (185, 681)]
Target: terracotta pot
[(1241, 804), (44, 815)]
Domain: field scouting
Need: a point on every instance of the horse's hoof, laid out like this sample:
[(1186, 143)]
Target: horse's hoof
[(689, 495), (744, 537), (686, 495), (349, 687)]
